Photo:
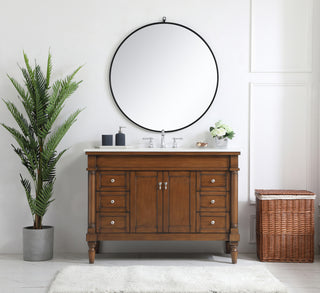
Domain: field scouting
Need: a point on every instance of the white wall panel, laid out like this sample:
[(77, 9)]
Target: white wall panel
[(279, 136), (281, 35)]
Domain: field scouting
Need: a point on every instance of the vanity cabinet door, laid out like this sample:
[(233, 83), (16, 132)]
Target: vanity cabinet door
[(163, 202), (146, 202), (179, 202)]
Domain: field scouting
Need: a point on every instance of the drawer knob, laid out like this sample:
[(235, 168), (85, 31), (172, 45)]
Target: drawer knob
[(212, 201), (213, 222), (112, 222), (112, 201), (112, 180), (212, 180)]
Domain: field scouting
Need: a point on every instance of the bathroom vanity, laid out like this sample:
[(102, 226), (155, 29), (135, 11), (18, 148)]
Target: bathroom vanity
[(164, 194)]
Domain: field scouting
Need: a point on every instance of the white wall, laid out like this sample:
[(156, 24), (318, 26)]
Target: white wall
[(246, 40)]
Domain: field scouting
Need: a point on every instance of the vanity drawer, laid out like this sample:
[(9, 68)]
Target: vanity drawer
[(112, 201), (112, 222), (209, 201), (112, 181), (212, 222), (212, 181)]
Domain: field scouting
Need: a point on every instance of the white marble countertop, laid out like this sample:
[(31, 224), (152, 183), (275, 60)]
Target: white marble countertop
[(141, 149)]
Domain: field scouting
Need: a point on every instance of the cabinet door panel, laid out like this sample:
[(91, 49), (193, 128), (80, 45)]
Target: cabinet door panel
[(146, 202), (179, 202)]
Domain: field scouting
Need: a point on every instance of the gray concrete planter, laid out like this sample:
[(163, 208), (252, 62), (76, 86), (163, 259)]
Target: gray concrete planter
[(37, 243)]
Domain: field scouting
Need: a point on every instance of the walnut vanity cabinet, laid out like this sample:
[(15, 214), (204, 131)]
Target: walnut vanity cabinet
[(164, 195)]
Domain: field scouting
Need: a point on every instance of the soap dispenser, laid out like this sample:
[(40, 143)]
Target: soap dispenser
[(120, 137)]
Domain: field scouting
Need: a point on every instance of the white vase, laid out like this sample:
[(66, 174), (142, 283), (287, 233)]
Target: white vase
[(220, 142)]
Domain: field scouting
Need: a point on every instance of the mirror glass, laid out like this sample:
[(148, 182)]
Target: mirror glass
[(163, 76)]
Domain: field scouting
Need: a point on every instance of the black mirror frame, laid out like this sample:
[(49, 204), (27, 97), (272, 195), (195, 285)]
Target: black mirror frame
[(163, 23)]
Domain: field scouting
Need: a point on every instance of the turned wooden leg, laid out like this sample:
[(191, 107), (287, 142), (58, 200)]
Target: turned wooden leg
[(97, 248), (234, 251), (92, 250), (227, 247)]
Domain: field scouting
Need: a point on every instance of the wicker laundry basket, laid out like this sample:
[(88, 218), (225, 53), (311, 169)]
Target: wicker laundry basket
[(285, 225)]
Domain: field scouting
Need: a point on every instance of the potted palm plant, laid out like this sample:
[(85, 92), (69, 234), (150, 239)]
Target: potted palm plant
[(37, 140)]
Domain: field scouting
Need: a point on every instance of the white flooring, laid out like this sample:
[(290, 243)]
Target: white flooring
[(17, 276)]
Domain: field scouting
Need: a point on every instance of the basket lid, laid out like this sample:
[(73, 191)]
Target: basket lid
[(284, 194)]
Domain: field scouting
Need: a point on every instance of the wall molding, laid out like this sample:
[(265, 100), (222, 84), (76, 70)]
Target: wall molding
[(307, 68), (251, 146)]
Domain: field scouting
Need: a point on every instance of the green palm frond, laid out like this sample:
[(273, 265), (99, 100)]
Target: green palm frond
[(19, 88), (37, 142), (28, 160), (57, 136), (43, 199), (50, 161), (19, 137), (29, 69), (27, 187), (28, 84), (49, 70), (21, 121)]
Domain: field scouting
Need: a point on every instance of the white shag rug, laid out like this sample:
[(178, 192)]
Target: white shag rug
[(166, 279)]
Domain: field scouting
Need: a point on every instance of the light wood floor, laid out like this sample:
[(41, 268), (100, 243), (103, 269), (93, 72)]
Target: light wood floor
[(18, 276)]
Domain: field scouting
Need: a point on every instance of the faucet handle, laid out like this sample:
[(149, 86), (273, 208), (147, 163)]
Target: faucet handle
[(175, 144), (150, 144)]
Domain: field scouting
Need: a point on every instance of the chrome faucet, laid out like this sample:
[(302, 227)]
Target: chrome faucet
[(175, 144), (150, 144), (162, 144)]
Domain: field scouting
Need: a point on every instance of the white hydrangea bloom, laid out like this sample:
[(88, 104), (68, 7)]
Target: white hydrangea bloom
[(214, 132), (226, 127), (221, 132)]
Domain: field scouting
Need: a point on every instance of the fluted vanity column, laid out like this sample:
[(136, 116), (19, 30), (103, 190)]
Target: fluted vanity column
[(234, 235), (91, 234)]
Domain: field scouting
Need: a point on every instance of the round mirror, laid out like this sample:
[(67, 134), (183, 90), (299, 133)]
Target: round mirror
[(164, 76)]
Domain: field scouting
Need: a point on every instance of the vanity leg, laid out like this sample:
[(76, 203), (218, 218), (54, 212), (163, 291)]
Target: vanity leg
[(97, 248), (92, 251), (227, 247), (234, 251)]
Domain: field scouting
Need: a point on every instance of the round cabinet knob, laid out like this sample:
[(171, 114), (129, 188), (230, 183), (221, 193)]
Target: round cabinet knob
[(212, 201), (212, 222), (112, 222), (112, 201), (112, 180), (212, 180)]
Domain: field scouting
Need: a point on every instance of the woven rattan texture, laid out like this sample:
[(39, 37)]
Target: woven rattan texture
[(285, 230)]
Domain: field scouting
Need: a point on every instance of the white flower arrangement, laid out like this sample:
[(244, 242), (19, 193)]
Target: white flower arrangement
[(221, 130)]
